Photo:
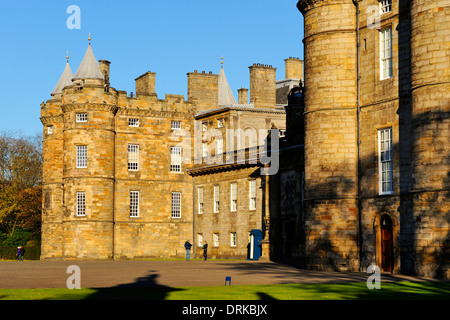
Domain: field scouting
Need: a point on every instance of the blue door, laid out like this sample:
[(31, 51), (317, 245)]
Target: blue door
[(255, 244)]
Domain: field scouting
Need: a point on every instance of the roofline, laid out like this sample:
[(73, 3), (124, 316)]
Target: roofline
[(237, 107)]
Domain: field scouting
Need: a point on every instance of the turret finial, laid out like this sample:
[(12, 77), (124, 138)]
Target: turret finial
[(221, 60), (89, 38), (67, 57)]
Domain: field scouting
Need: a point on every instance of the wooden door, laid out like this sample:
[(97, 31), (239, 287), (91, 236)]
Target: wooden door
[(386, 250)]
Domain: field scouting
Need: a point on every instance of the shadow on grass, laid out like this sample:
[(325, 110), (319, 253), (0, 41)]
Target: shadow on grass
[(144, 288), (389, 291)]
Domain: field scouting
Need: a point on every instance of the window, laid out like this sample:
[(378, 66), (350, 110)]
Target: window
[(205, 149), (386, 53), (175, 159), (175, 125), (220, 123), (233, 197), (216, 199), (81, 156), (81, 117), (133, 157), (385, 157), (216, 239), (252, 194), (200, 200), (233, 239), (50, 130), (133, 122), (204, 126), (134, 203), (176, 204), (81, 203), (219, 146), (385, 6), (199, 239)]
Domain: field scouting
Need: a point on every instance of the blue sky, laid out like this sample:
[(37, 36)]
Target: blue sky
[(170, 38)]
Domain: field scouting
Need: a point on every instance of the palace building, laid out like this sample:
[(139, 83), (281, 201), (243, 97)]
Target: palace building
[(135, 176), (342, 165)]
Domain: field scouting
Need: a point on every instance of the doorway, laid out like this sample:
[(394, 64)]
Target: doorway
[(387, 248)]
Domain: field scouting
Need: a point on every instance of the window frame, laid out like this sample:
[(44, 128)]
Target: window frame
[(385, 6), (80, 209), (200, 240), (133, 157), (175, 159), (175, 125), (133, 122), (81, 156), (233, 197), (81, 117), (386, 59), (216, 239), (134, 205), (200, 203), (233, 239), (385, 162), (252, 194), (176, 205), (216, 199)]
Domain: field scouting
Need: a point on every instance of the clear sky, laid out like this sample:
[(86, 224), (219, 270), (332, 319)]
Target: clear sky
[(170, 38)]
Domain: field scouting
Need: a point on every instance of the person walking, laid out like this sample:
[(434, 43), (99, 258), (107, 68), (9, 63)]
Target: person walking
[(205, 250), (188, 246), (20, 253)]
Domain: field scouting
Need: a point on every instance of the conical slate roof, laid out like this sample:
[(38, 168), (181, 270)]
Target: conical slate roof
[(64, 80), (89, 68), (226, 96)]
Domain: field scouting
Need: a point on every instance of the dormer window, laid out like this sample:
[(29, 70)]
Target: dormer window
[(81, 117), (385, 6)]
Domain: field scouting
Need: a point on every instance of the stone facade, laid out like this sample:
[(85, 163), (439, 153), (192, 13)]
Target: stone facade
[(133, 203), (373, 67)]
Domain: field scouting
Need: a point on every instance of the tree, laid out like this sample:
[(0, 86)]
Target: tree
[(20, 182)]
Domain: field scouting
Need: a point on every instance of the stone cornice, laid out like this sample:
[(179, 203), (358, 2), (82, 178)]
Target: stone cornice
[(89, 106), (207, 113), (51, 119)]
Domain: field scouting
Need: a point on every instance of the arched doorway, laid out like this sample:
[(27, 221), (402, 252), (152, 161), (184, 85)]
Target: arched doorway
[(387, 248)]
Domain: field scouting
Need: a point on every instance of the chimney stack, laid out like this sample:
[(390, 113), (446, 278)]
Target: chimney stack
[(145, 84), (263, 86), (104, 69), (243, 96), (293, 68)]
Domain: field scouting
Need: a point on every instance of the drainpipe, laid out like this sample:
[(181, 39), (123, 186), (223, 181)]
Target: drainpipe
[(193, 216), (358, 112)]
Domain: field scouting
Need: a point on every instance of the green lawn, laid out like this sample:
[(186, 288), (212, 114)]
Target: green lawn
[(343, 291)]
